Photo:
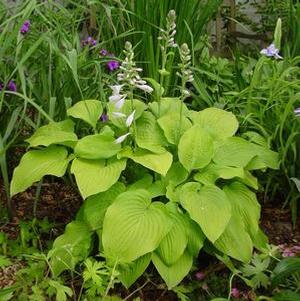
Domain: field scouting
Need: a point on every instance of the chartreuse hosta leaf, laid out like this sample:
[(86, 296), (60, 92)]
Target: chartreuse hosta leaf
[(174, 243), (173, 274), (149, 135), (35, 164), (219, 123), (88, 110), (196, 237), (264, 158), (177, 174), (208, 206), (129, 106), (130, 272), (94, 176), (133, 226), (53, 133), (244, 204), (212, 172), (235, 152), (174, 126), (195, 149), (160, 163), (238, 152), (94, 207), (235, 241), (168, 105), (99, 146), (70, 248)]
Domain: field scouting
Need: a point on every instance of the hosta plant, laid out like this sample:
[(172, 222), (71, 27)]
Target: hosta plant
[(159, 181)]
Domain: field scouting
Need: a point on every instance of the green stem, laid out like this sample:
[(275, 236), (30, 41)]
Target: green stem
[(37, 196), (230, 286), (3, 165), (112, 278)]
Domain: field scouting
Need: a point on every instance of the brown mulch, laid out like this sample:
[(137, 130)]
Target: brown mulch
[(277, 225)]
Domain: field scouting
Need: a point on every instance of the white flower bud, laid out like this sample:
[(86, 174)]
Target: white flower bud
[(118, 114), (145, 88), (129, 119), (121, 138)]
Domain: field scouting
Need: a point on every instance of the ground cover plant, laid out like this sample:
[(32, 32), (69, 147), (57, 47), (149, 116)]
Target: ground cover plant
[(165, 152)]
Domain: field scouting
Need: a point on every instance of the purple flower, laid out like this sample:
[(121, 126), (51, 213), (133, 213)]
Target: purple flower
[(89, 42), (112, 65), (271, 51), (200, 276), (25, 27), (297, 112), (104, 117), (235, 293), (12, 86), (103, 52)]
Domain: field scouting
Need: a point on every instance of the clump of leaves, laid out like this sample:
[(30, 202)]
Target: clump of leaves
[(190, 183)]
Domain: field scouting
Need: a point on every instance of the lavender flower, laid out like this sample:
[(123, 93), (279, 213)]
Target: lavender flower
[(25, 27), (297, 112), (103, 52), (271, 51), (112, 65), (89, 42), (104, 117)]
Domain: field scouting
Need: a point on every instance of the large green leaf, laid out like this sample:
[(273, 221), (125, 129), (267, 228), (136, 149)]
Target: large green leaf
[(94, 176), (208, 206), (142, 183), (177, 174), (160, 163), (195, 149), (130, 272), (133, 226), (168, 105), (87, 110), (235, 151), (219, 123), (212, 172), (94, 207), (175, 273), (264, 158), (196, 238), (53, 133), (99, 146), (174, 126), (235, 241), (244, 204), (70, 248), (174, 243), (35, 164), (149, 135)]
